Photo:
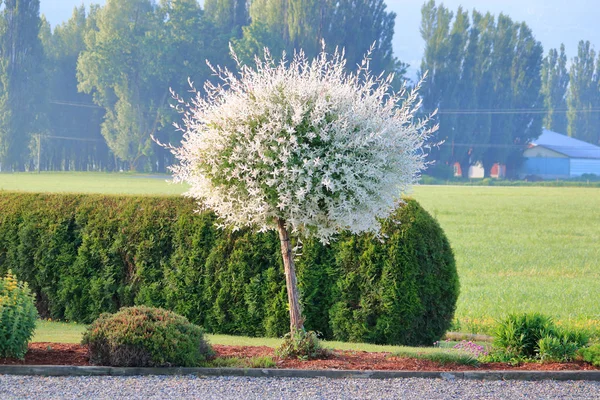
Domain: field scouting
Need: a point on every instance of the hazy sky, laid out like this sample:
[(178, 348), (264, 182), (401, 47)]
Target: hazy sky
[(553, 21)]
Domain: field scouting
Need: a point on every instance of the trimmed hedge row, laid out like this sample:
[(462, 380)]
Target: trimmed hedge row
[(87, 254)]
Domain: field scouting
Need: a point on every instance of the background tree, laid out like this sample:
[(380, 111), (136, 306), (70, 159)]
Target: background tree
[(555, 81), (293, 24), (183, 46), (303, 148), (525, 84), (475, 87), (484, 77), (583, 97), (120, 68), (74, 140), (229, 16), (21, 80), (138, 51)]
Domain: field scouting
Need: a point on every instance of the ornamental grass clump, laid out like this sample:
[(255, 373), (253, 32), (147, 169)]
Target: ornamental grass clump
[(145, 337), (17, 317), (301, 146), (528, 337)]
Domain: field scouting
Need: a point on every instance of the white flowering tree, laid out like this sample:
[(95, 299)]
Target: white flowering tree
[(302, 147)]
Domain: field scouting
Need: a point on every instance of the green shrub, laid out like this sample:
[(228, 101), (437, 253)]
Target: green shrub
[(84, 255), (519, 334), (556, 349), (17, 317), (145, 337), (522, 337), (301, 344), (591, 354), (400, 291)]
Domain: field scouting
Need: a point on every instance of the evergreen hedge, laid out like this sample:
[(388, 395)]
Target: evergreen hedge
[(83, 255)]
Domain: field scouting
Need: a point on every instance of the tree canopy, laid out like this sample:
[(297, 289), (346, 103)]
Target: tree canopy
[(89, 93), (301, 146)]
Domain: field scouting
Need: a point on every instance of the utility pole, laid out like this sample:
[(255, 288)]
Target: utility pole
[(39, 151)]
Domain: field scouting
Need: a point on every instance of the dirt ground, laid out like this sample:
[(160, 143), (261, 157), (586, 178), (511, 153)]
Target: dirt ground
[(75, 354)]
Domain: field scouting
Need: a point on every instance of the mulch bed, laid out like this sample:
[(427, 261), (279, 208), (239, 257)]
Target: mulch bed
[(76, 354)]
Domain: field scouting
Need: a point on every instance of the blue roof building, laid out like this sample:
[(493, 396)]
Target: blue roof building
[(557, 156)]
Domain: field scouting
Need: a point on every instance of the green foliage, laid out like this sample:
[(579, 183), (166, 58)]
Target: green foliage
[(519, 334), (583, 94), (84, 255), (556, 349), (301, 344), (521, 337), (23, 90), (351, 25), (480, 63), (402, 291), (87, 150), (441, 356), (17, 316), (591, 354), (236, 362), (145, 337), (555, 81)]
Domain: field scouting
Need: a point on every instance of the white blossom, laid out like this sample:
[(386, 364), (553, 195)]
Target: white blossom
[(303, 141)]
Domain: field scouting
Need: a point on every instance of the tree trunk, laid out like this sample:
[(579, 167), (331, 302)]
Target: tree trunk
[(464, 169), (296, 321)]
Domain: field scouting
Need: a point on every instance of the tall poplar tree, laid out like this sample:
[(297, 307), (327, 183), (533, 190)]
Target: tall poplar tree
[(75, 141), (21, 80), (479, 73), (302, 24), (584, 95), (555, 81), (229, 16), (138, 51)]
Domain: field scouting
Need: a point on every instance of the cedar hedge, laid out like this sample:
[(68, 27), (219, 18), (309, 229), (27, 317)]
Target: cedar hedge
[(88, 254)]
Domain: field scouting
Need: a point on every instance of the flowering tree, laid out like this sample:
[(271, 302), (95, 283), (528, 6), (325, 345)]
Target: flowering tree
[(301, 146)]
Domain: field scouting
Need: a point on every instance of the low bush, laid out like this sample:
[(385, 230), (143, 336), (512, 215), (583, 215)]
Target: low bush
[(591, 354), (524, 337), (84, 255), (301, 344), (519, 334), (556, 349), (145, 337), (17, 317)]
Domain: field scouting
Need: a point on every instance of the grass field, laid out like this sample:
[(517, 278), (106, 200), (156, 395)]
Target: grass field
[(60, 332), (90, 182), (518, 249), (522, 249)]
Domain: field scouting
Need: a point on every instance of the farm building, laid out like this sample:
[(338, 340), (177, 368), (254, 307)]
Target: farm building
[(557, 156), (476, 171)]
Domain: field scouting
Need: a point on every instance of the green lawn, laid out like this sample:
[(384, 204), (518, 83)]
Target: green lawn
[(90, 182), (518, 249), (522, 249), (61, 332), (57, 332)]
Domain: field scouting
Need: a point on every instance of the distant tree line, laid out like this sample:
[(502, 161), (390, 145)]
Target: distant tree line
[(495, 90), (90, 93)]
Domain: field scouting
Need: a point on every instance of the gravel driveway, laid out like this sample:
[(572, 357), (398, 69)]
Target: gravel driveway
[(238, 388)]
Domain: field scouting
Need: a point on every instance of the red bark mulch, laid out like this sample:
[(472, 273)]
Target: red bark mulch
[(75, 354)]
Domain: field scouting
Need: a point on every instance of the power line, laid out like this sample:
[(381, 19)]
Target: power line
[(513, 111), (70, 138), (500, 145), (440, 111), (74, 104)]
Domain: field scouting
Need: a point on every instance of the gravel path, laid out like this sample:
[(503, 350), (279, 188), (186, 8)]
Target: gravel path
[(184, 387)]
